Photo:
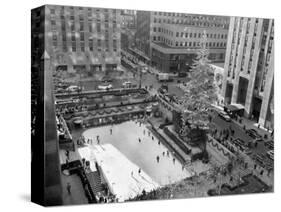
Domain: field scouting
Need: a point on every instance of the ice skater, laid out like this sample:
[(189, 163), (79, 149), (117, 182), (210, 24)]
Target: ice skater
[(68, 188), (157, 158)]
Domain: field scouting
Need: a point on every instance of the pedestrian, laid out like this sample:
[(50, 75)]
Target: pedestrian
[(139, 140), (67, 154), (110, 131), (152, 138), (144, 132), (163, 153), (258, 126), (68, 187), (168, 153), (174, 160), (157, 158), (132, 173), (139, 170), (67, 163)]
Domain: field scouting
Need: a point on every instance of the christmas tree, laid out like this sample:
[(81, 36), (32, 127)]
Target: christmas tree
[(199, 93)]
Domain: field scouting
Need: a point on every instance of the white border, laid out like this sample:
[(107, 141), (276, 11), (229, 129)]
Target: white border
[(15, 104)]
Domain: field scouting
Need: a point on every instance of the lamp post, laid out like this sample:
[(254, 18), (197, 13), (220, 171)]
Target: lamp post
[(140, 76)]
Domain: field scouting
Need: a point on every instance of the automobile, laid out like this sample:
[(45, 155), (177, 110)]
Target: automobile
[(247, 151), (127, 84), (259, 140), (224, 116), (73, 88), (270, 144), (105, 87), (253, 133), (270, 154), (106, 79)]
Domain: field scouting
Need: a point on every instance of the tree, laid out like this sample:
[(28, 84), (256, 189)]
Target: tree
[(199, 93)]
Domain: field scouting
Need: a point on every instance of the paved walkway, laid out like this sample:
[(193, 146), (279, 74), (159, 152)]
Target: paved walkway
[(250, 124), (77, 195)]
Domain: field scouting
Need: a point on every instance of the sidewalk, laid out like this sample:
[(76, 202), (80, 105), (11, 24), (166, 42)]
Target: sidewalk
[(250, 124)]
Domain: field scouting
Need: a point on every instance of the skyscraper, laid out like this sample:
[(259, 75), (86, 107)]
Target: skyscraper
[(249, 67)]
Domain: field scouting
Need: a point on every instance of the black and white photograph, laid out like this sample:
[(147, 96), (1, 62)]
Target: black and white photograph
[(132, 105)]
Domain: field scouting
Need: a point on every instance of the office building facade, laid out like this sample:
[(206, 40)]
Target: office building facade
[(249, 68), (82, 39), (171, 40)]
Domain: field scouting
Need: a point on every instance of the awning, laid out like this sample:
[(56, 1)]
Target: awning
[(234, 108)]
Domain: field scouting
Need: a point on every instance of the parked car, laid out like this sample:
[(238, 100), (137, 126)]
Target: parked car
[(127, 84), (105, 87), (270, 154), (224, 116), (270, 144), (253, 133), (247, 151), (259, 140), (73, 88)]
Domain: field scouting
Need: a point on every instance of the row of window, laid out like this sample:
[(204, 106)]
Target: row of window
[(189, 35), (190, 22), (89, 10), (195, 35), (208, 18), (83, 49), (81, 26), (189, 44)]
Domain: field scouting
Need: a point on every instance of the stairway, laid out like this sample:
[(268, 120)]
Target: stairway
[(95, 181)]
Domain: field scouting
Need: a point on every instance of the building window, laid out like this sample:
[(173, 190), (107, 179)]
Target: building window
[(81, 26), (72, 26), (91, 44), (114, 44), (52, 11), (98, 28), (82, 45), (53, 22), (74, 47), (99, 42), (177, 34), (82, 38), (90, 27)]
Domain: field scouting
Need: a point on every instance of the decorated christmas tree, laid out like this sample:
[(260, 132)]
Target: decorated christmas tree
[(199, 95)]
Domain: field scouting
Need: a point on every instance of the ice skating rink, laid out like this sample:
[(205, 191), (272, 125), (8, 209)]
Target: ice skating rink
[(141, 148)]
